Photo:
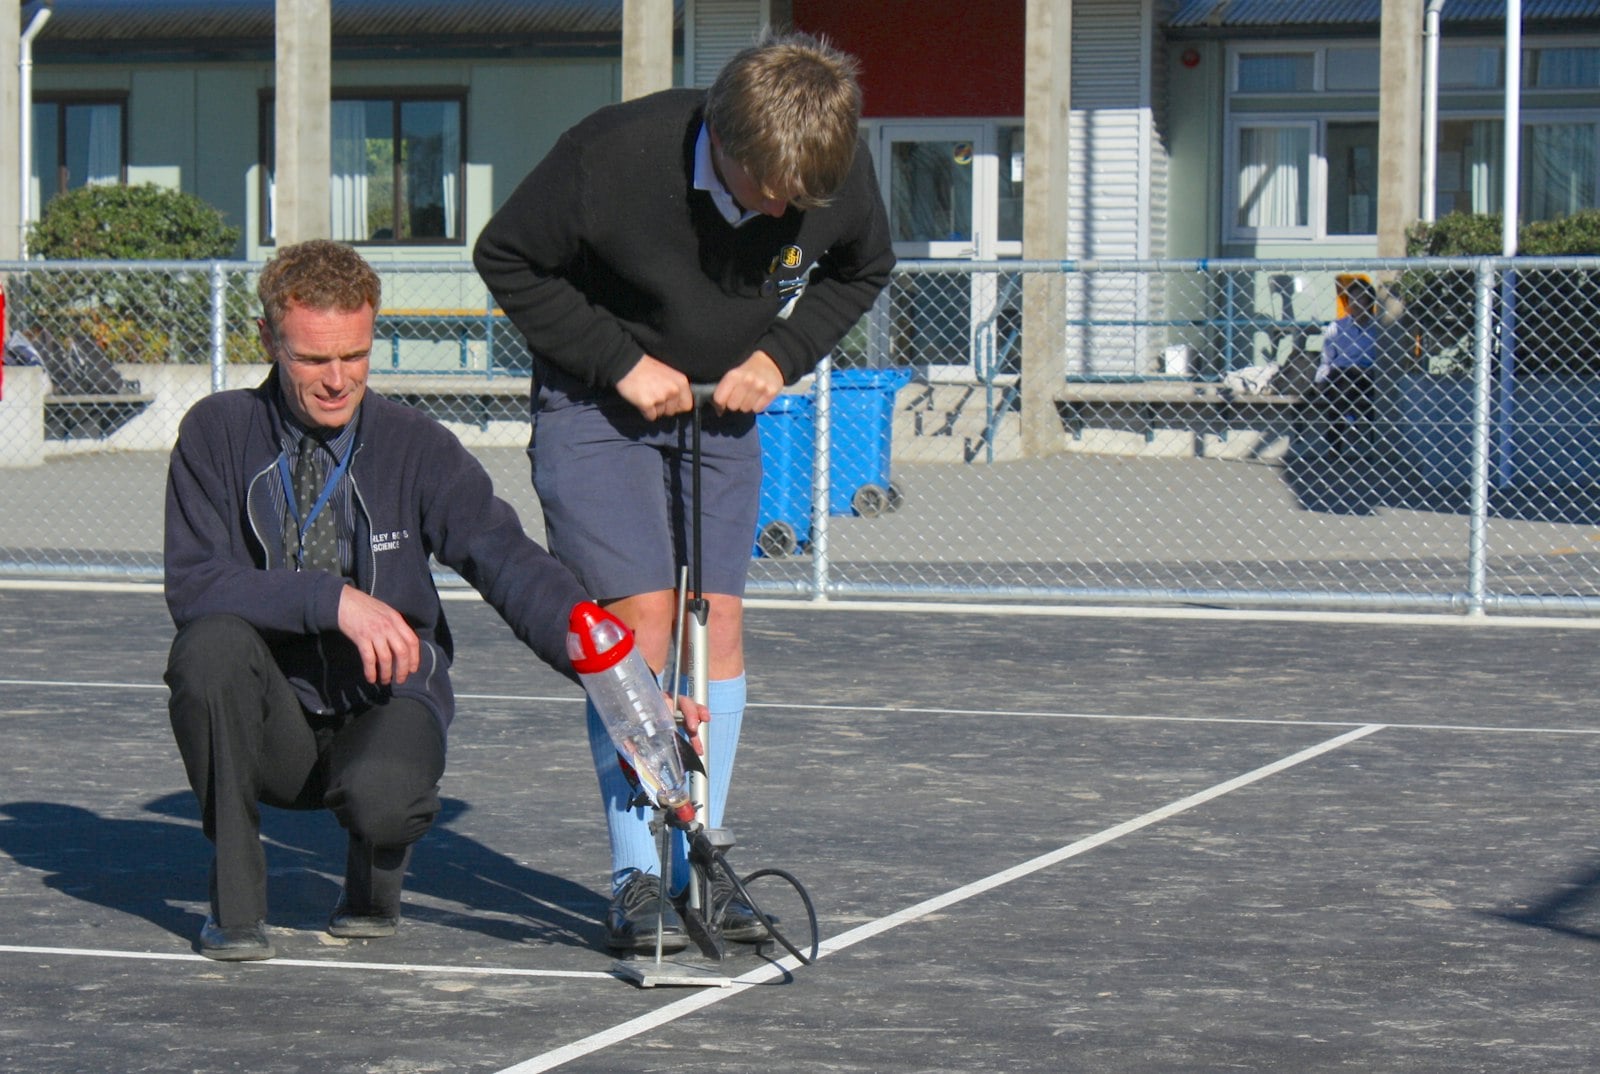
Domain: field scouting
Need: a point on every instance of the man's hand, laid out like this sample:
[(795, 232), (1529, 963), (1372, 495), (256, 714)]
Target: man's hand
[(749, 387), (656, 390), (693, 716), (389, 647)]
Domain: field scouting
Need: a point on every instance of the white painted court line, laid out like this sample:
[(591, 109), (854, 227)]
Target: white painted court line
[(1082, 611), (906, 710), (310, 963), (79, 685), (706, 997), (1135, 611)]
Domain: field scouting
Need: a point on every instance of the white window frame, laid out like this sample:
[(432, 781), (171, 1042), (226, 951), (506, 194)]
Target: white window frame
[(1299, 108), (1314, 178)]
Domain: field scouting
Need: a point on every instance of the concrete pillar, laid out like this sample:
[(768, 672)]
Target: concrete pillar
[(301, 120), (646, 47), (1399, 123), (1047, 104), (10, 124)]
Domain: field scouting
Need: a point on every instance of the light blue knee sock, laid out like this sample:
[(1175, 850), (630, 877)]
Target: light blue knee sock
[(725, 701), (725, 698), (632, 845)]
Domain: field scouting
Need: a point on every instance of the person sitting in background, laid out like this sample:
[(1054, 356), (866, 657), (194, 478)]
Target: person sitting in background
[(1344, 389)]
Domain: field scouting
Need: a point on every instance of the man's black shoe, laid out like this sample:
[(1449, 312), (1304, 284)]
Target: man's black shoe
[(352, 923), (738, 921), (369, 905), (631, 918), (239, 943)]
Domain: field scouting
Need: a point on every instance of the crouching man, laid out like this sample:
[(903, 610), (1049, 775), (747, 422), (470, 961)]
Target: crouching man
[(311, 664)]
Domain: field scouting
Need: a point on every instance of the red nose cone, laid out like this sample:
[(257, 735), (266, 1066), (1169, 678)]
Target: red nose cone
[(596, 639)]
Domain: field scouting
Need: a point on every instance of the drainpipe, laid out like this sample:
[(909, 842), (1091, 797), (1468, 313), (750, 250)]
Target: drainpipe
[(1512, 142), (25, 122), (1430, 108)]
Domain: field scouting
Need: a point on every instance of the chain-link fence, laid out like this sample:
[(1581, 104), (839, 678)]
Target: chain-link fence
[(1383, 435)]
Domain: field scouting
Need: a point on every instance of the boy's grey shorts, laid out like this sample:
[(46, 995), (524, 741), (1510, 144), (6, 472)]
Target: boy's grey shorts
[(615, 490)]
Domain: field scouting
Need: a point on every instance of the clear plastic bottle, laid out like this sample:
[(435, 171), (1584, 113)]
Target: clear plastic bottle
[(630, 703)]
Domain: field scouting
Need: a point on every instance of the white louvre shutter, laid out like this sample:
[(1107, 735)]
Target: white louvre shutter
[(1117, 181), (714, 30)]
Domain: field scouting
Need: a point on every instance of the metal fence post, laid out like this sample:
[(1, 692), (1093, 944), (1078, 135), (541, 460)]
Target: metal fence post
[(821, 453), (1478, 519), (219, 328)]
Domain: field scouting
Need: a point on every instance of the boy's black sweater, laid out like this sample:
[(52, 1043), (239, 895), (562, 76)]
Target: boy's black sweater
[(606, 252)]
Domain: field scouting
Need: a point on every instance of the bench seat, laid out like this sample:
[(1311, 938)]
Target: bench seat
[(91, 415)]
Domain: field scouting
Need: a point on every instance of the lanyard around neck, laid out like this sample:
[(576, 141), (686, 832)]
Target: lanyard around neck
[(287, 478)]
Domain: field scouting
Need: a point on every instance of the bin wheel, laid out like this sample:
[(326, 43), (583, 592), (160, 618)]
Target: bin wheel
[(777, 539), (870, 501), (896, 497)]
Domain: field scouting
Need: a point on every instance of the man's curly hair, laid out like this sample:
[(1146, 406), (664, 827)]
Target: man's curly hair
[(319, 274)]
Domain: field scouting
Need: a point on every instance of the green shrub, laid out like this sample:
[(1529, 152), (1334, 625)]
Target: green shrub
[(1478, 235), (134, 314), (1455, 235), (130, 223), (1577, 235), (1549, 304)]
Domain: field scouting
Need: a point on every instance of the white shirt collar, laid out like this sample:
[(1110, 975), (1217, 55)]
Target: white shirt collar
[(705, 178)]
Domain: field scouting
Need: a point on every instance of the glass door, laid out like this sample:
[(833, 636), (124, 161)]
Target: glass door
[(943, 184)]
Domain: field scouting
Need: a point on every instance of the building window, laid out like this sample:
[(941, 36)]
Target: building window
[(1468, 167), (1558, 171), (1303, 168), (397, 165), (1275, 72), (1352, 156), (931, 191), (1352, 70), (1561, 68), (1470, 67), (1009, 148), (77, 143), (1273, 179)]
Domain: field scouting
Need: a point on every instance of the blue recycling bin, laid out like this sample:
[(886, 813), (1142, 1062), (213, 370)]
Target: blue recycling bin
[(861, 415), (788, 431)]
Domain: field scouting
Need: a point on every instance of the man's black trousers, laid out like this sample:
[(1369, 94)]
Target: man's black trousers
[(245, 740)]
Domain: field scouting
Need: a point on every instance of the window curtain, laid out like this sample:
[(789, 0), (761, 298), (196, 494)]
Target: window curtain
[(1273, 166), (1558, 170), (1483, 164), (349, 182), (1567, 68), (104, 167), (450, 169)]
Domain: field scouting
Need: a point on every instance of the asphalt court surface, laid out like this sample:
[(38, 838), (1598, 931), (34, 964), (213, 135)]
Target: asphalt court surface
[(1088, 843)]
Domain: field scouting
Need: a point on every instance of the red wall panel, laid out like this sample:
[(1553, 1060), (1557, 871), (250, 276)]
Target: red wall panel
[(928, 57)]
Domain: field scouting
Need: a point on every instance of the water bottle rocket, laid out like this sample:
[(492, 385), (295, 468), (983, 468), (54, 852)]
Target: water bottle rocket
[(631, 705)]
